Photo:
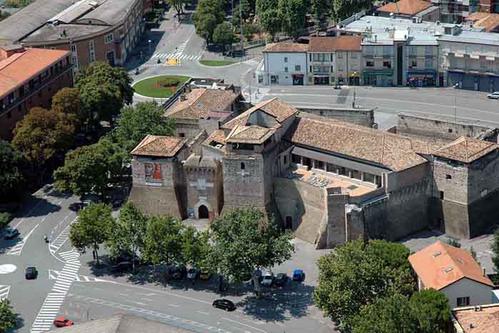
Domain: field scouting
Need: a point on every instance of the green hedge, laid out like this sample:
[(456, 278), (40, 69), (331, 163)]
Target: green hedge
[(5, 219)]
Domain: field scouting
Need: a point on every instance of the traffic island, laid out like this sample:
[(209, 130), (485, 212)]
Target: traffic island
[(162, 86)]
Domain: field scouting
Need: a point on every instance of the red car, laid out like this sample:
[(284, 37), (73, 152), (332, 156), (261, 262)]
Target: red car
[(62, 322)]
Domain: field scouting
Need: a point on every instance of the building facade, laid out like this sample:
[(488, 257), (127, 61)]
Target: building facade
[(327, 180), (285, 64), (420, 9), (28, 78), (102, 30)]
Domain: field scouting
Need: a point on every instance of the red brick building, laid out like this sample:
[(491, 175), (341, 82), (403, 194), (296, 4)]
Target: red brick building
[(29, 78)]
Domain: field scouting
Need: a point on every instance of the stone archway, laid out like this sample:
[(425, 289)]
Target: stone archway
[(203, 212)]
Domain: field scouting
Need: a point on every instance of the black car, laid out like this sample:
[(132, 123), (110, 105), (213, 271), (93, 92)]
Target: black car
[(178, 272), (76, 206), (224, 304), (31, 273), (123, 266), (280, 280), (11, 234)]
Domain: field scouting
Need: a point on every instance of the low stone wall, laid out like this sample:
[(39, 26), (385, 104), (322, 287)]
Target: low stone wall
[(359, 116)]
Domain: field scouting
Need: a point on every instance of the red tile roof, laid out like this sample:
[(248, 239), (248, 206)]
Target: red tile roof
[(488, 21), (160, 146), (465, 149), (331, 44), (286, 47), (485, 320), (440, 265), (21, 67), (405, 7)]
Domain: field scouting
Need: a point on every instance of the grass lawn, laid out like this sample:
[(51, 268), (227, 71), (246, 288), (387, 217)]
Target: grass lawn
[(217, 63), (162, 86)]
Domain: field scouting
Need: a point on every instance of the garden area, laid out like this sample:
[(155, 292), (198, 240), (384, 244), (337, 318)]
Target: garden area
[(162, 86), (217, 63)]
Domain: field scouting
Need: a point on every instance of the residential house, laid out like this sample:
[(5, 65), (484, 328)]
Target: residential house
[(454, 272), (285, 64), (476, 319), (488, 22), (29, 77), (419, 9), (334, 60)]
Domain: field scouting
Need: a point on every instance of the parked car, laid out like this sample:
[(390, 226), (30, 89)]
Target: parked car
[(62, 321), (31, 273), (224, 304), (280, 280), (494, 95), (178, 272), (11, 234), (192, 273), (267, 279), (204, 275), (76, 206), (298, 275), (123, 266)]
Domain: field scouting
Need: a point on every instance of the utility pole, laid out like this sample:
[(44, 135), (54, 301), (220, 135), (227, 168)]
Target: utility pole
[(241, 26)]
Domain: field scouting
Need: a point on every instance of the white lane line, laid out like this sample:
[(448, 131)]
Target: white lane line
[(31, 210), (239, 323), (4, 292), (203, 313), (18, 248), (174, 305)]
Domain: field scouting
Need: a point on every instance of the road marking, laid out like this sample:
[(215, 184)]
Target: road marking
[(53, 302), (174, 305), (68, 278), (4, 292), (239, 323), (62, 238), (163, 317), (203, 313), (17, 249), (7, 269)]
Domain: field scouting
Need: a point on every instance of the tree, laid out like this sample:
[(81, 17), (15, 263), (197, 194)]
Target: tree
[(359, 273), (244, 240), (342, 9), (195, 247), (135, 122), (67, 101), (8, 319), (90, 169), (265, 5), (271, 22), (41, 134), (386, 315), (495, 250), (293, 14), (178, 5), (104, 90), (10, 170), (321, 10), (163, 240), (93, 228), (223, 34), (431, 311), (3, 15), (209, 14), (128, 233)]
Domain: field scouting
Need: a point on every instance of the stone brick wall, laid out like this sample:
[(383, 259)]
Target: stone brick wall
[(363, 117), (483, 177)]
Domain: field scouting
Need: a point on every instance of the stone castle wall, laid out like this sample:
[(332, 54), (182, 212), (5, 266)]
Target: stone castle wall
[(363, 117)]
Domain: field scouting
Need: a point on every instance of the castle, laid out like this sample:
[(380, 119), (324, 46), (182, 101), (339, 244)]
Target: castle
[(328, 180)]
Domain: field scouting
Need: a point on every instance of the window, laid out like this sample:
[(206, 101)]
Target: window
[(354, 55), (91, 51), (463, 301), (340, 55), (297, 68), (343, 171), (182, 135), (369, 63), (356, 174), (285, 159), (73, 48), (319, 165), (369, 177), (441, 194), (387, 64), (428, 51), (331, 168), (108, 39), (414, 63), (295, 159), (448, 177), (243, 166), (428, 63), (285, 59), (286, 69)]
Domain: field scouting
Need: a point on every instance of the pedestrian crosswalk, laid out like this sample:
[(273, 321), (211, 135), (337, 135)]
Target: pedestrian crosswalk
[(56, 244), (54, 300), (4, 292), (175, 55), (53, 275), (17, 249)]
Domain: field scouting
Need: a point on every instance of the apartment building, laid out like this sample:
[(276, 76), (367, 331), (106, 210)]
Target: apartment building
[(284, 63), (454, 11), (29, 78), (92, 30), (334, 60)]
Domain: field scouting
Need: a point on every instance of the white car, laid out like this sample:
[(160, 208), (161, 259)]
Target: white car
[(494, 95), (267, 279)]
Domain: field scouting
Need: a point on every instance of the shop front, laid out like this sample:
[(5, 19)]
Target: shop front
[(298, 79), (477, 81), (378, 78), (421, 78), (354, 79)]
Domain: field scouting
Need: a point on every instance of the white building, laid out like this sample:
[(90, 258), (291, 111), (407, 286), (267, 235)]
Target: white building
[(284, 64), (454, 272)]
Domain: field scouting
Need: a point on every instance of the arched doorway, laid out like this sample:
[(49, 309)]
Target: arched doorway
[(203, 212)]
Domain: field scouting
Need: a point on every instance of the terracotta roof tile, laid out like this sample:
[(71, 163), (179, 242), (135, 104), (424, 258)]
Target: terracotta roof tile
[(23, 66), (274, 107), (331, 44), (389, 150), (465, 149), (217, 136), (202, 103), (286, 47), (249, 134), (405, 7), (440, 265), (486, 320), (160, 146), (488, 21)]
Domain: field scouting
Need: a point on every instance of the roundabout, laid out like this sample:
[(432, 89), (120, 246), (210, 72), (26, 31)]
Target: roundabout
[(7, 269), (161, 86)]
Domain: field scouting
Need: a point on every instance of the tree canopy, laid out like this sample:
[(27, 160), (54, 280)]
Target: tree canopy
[(8, 319), (11, 176), (357, 274), (93, 228), (163, 242), (223, 34), (244, 240), (209, 14), (431, 311), (67, 101), (104, 90), (293, 14)]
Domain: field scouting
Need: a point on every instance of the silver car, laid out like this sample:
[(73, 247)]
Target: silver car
[(494, 95)]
